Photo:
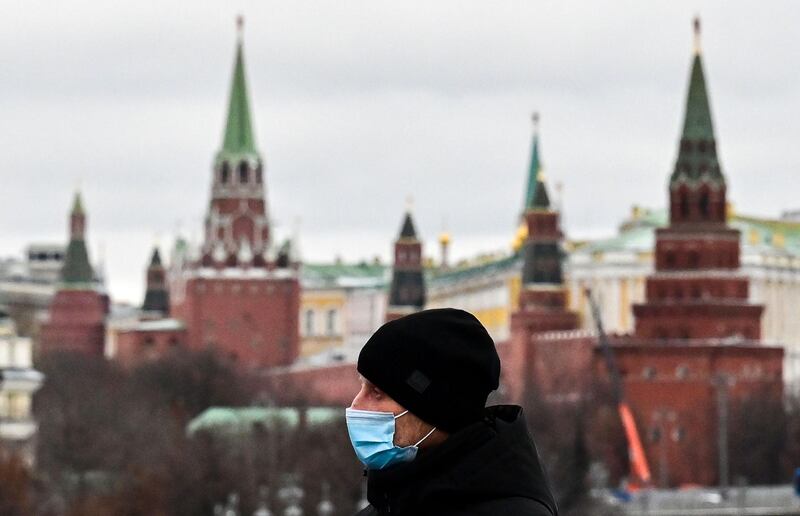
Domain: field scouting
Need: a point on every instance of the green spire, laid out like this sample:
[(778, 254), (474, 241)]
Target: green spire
[(697, 122), (239, 139), (535, 167), (697, 153), (77, 204), (77, 271)]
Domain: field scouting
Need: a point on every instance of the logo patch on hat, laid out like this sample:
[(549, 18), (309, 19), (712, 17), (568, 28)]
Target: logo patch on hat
[(418, 381)]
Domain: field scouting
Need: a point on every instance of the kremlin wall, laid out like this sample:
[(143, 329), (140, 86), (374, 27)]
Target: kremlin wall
[(692, 297)]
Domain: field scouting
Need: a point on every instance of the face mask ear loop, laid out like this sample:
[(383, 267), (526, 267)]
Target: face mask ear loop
[(401, 414), (428, 435)]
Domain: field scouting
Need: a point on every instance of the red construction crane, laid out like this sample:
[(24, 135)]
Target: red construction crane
[(638, 461)]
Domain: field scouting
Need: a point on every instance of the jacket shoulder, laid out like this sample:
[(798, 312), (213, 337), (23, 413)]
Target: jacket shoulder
[(515, 505), (367, 511)]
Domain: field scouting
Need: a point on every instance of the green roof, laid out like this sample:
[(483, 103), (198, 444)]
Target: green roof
[(697, 152), (237, 421), (342, 275), (533, 173), (239, 139), (774, 236), (77, 204), (483, 268), (697, 123), (76, 270)]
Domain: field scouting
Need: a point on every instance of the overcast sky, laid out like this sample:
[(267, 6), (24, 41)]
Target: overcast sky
[(358, 105)]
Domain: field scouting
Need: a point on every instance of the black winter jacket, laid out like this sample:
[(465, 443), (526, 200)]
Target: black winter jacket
[(490, 468)]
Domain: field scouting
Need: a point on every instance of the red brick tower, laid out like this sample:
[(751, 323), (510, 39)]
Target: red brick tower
[(543, 297), (156, 297), (235, 298), (695, 352), (79, 308), (697, 291), (407, 291)]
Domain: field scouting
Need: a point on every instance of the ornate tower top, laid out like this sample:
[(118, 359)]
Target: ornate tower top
[(407, 291), (156, 298), (697, 35), (535, 168), (77, 271), (697, 153), (239, 138), (237, 225)]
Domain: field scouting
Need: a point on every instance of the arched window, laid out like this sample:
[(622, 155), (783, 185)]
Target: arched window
[(224, 173), (259, 173), (684, 204), (243, 172), (705, 204)]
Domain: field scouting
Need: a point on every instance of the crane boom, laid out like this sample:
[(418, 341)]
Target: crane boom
[(638, 461)]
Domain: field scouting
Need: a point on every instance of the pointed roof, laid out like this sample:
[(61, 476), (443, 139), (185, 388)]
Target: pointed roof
[(77, 204), (155, 259), (697, 152), (541, 200), (76, 269), (535, 166), (697, 120), (239, 139), (408, 231)]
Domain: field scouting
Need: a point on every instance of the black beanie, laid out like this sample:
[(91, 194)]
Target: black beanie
[(439, 364)]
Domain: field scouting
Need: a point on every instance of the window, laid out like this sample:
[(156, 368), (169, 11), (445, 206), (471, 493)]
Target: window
[(18, 405), (705, 205), (259, 173), (225, 173), (309, 322), (684, 203), (648, 373), (243, 172), (681, 372), (331, 322)]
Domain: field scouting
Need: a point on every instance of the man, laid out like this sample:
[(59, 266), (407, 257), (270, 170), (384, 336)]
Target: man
[(421, 427)]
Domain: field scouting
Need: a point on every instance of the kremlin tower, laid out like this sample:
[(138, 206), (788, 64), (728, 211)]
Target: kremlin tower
[(696, 350), (543, 298), (407, 291), (234, 297), (697, 291), (156, 297), (543, 295), (78, 311)]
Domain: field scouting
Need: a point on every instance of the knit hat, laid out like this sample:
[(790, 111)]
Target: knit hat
[(439, 364)]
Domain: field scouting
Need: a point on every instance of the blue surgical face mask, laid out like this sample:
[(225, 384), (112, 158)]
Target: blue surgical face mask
[(372, 435)]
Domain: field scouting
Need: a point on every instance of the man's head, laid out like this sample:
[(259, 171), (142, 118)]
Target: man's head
[(440, 365)]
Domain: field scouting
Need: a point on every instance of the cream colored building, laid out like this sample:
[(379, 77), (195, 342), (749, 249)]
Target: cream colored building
[(341, 305), (615, 268), (18, 383)]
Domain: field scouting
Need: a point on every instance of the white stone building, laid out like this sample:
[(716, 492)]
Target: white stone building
[(18, 382)]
